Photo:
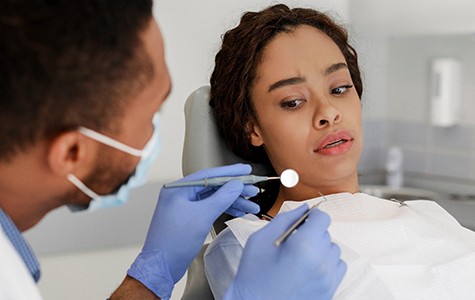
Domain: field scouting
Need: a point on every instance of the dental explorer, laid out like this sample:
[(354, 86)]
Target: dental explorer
[(297, 223)]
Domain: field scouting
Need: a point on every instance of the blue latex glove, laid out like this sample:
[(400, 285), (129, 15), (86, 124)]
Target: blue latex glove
[(306, 265), (180, 224)]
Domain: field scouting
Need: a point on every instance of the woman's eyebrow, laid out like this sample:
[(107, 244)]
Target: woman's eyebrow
[(297, 80), (335, 67), (285, 82)]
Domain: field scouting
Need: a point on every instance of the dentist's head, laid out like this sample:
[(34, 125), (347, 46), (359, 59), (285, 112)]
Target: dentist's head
[(76, 76)]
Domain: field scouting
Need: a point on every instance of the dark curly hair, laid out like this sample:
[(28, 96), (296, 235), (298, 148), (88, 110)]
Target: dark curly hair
[(236, 64), (67, 64)]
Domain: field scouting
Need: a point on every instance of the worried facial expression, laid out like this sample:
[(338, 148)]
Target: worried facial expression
[(308, 112)]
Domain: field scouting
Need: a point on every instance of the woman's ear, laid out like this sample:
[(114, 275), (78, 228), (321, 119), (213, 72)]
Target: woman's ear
[(255, 134), (67, 152)]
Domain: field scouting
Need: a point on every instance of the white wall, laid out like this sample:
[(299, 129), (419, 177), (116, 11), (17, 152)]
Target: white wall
[(410, 75), (383, 26), (89, 274), (414, 16), (192, 31)]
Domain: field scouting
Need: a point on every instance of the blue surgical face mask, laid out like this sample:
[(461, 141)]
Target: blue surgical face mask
[(147, 156)]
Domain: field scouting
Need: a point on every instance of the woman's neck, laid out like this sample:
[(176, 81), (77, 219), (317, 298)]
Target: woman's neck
[(301, 193)]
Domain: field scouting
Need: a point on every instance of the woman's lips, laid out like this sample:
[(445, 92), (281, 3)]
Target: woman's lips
[(334, 143)]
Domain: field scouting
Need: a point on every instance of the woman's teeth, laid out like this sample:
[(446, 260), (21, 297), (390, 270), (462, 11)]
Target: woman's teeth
[(336, 143)]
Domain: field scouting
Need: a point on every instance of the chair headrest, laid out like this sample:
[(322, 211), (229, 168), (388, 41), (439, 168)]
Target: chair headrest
[(203, 147)]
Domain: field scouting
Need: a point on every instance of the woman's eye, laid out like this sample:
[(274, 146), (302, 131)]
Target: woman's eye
[(342, 89), (291, 104)]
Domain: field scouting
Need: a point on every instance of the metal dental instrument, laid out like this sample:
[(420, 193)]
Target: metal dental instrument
[(219, 181), (401, 202), (297, 223), (289, 178)]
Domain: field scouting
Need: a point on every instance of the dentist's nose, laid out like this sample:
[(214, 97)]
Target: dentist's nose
[(326, 115)]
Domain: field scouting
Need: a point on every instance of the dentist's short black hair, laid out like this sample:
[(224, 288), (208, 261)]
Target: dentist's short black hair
[(66, 64)]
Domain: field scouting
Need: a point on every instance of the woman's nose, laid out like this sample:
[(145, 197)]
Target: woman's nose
[(326, 115)]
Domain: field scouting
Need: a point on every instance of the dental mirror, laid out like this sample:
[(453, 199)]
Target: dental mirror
[(289, 178)]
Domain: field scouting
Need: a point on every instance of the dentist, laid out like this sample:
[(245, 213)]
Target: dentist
[(80, 88)]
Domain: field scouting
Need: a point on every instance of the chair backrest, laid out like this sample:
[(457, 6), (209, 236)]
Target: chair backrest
[(203, 147), (197, 286)]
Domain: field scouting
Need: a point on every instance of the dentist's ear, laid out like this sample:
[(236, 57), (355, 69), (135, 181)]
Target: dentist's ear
[(67, 153), (255, 135)]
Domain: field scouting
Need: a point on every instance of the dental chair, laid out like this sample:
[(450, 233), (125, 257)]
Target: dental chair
[(203, 148)]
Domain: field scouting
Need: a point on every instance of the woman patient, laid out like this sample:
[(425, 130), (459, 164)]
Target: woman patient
[(286, 92)]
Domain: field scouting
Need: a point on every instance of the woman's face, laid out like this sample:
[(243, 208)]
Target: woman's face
[(308, 113)]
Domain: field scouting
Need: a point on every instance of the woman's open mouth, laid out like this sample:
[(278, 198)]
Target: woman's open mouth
[(335, 143)]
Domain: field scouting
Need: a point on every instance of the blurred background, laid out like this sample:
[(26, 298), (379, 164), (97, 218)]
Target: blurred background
[(415, 147)]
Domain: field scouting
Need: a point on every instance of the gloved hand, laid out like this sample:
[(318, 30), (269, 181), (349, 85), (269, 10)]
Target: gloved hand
[(180, 224), (306, 265)]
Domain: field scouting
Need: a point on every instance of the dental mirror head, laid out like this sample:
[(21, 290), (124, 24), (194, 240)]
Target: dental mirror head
[(289, 178)]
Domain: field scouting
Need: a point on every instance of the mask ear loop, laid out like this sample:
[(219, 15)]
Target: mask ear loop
[(81, 186), (110, 142), (150, 144), (155, 138)]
